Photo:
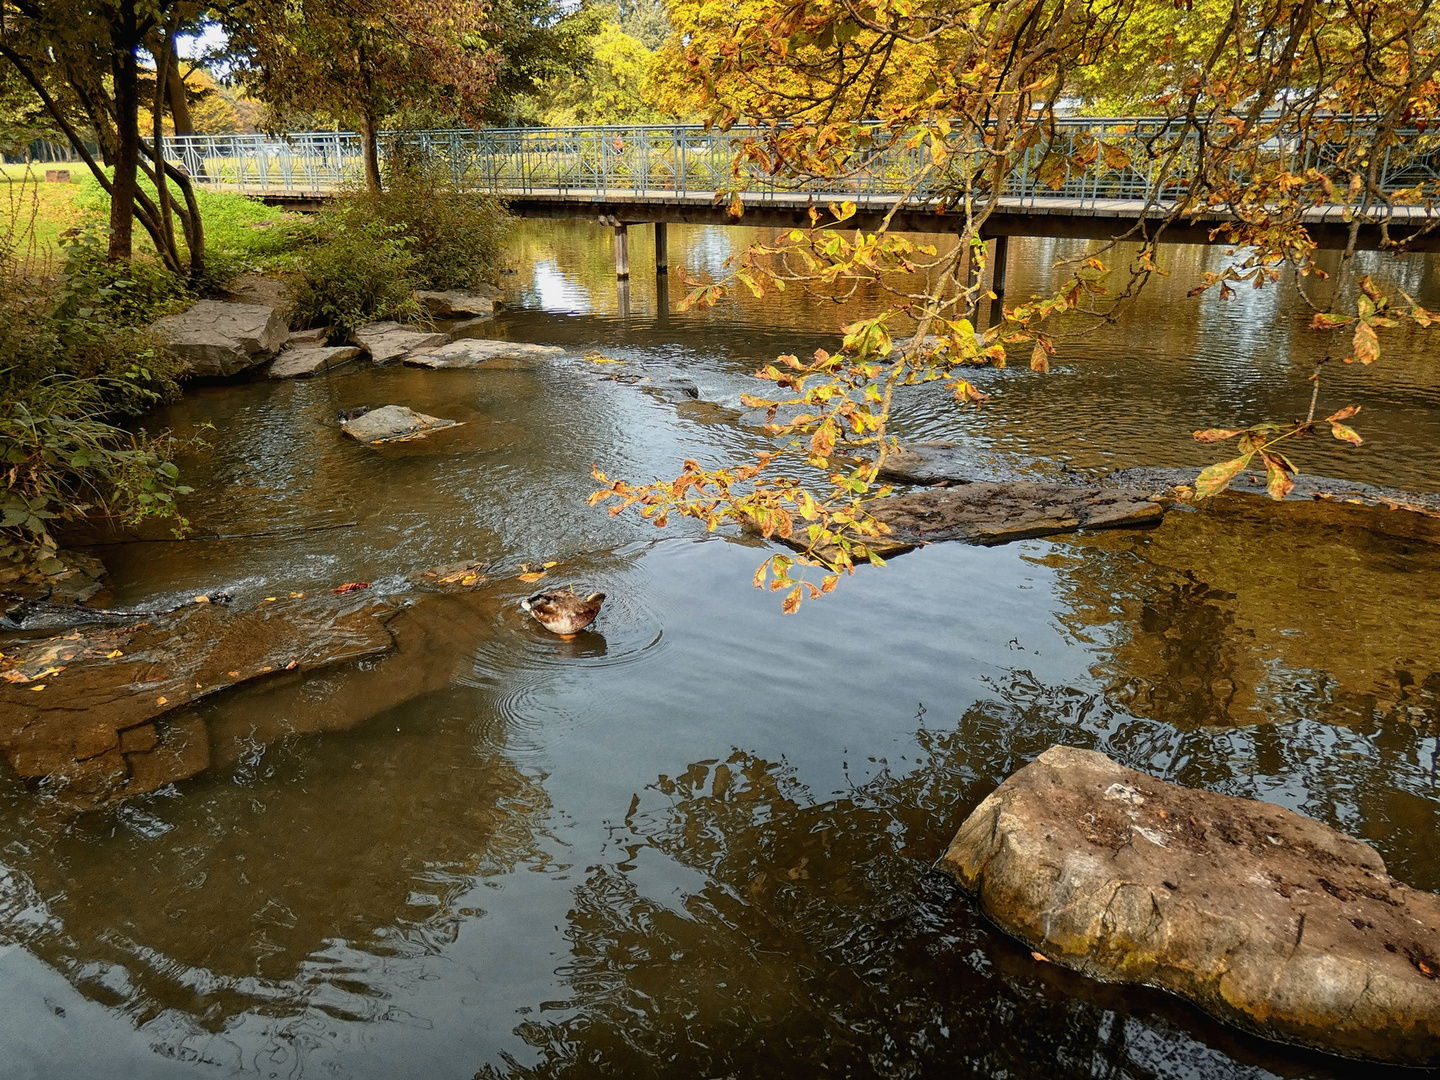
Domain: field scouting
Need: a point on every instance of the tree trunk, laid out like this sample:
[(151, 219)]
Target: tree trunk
[(179, 104), (126, 66), (370, 151)]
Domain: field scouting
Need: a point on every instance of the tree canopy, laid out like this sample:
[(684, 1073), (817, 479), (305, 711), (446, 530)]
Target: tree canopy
[(1266, 110)]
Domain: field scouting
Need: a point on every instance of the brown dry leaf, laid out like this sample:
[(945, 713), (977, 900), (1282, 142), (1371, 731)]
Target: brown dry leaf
[(233, 674)]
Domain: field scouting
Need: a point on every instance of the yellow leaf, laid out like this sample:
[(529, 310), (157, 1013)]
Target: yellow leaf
[(533, 576), (296, 595), (269, 599), (41, 686), (161, 700), (1217, 478), (202, 599), (113, 653)]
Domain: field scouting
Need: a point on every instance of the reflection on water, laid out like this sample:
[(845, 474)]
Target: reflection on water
[(695, 840)]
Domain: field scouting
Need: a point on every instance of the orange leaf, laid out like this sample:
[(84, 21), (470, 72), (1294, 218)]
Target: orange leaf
[(534, 576), (1216, 434), (1277, 477), (349, 586), (791, 603), (1039, 360)]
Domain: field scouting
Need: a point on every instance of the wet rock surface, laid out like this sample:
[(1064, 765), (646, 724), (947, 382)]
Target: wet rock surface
[(306, 363), (481, 352), (218, 339), (997, 513), (392, 423), (100, 714), (67, 577), (1260, 916), (387, 342)]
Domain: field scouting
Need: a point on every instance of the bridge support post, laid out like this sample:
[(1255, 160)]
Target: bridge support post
[(662, 250), (622, 252), (998, 263)]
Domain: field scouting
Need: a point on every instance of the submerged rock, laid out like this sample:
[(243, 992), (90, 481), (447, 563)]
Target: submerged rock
[(217, 339), (387, 342), (942, 463), (481, 352), (1260, 916), (65, 576), (456, 303), (307, 363), (997, 513), (393, 423), (90, 712)]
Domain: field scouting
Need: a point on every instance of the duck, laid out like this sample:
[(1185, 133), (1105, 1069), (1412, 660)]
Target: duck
[(564, 613)]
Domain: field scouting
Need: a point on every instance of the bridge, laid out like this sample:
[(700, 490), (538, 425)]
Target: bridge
[(676, 173)]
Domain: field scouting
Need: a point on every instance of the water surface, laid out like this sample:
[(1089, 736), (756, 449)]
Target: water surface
[(696, 841)]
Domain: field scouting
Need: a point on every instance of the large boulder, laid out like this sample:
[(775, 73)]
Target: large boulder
[(1260, 916), (218, 339), (482, 352), (387, 342)]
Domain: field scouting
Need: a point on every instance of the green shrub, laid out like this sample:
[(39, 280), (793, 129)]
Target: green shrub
[(62, 458), (456, 234), (356, 272)]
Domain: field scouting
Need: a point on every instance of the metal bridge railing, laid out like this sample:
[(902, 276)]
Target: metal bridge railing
[(1088, 159)]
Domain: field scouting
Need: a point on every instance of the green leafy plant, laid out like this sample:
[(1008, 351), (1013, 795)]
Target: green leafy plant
[(357, 272)]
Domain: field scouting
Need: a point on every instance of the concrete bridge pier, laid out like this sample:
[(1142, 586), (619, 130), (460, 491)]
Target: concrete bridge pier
[(662, 250), (622, 252)]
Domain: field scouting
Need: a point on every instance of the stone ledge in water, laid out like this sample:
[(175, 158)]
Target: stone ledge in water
[(90, 711), (390, 341), (219, 339), (941, 463), (307, 363), (1000, 512), (481, 352), (1260, 916), (1320, 500), (455, 303), (393, 423)]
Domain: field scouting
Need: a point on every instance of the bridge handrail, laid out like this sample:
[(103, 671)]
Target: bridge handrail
[(679, 160)]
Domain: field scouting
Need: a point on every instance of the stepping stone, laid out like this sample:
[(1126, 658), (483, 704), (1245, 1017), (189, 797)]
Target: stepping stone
[(480, 352), (455, 303), (387, 342), (393, 423), (306, 363)]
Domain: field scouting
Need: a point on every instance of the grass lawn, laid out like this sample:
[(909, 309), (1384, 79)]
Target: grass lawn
[(33, 214)]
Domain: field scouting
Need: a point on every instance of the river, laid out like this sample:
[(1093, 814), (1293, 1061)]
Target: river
[(696, 841)]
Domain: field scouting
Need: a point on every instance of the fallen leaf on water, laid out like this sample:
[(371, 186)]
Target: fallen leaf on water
[(201, 599), (14, 676), (234, 674), (1041, 957), (113, 653), (269, 599), (40, 687), (353, 586), (292, 665), (161, 700), (296, 595), (535, 576)]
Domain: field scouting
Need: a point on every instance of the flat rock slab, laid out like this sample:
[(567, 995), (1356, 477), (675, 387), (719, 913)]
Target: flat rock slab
[(1260, 916), (482, 352), (219, 339), (455, 303), (387, 342), (997, 513), (941, 463), (307, 363), (83, 711), (393, 423)]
